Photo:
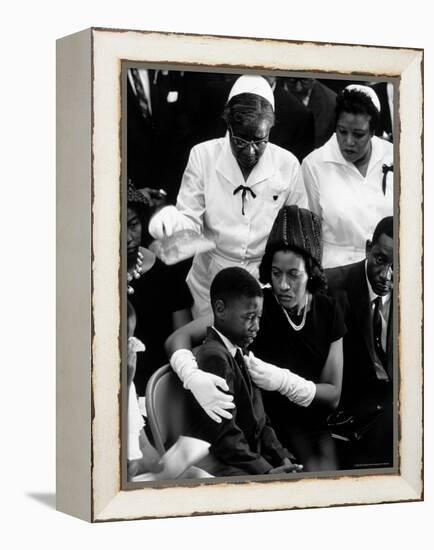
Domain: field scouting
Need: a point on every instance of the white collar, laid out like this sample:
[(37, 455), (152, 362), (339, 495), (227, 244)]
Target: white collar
[(227, 165), (372, 295), (332, 153), (230, 346)]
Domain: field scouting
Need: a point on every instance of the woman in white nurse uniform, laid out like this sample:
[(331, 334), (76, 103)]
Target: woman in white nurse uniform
[(233, 188), (349, 180)]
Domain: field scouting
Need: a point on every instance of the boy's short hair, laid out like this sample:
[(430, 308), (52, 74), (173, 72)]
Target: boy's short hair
[(233, 283)]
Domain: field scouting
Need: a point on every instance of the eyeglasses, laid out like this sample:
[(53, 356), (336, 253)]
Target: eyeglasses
[(241, 143)]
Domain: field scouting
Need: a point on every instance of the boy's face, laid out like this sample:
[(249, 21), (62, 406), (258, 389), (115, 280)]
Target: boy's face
[(238, 319)]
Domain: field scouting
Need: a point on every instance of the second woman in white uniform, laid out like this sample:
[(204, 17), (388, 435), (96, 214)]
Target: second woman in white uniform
[(233, 188), (349, 180)]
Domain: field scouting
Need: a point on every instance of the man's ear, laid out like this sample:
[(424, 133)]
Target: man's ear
[(368, 247), (219, 308)]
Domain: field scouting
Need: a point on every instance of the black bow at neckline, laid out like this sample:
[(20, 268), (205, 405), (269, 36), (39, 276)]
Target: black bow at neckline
[(245, 189)]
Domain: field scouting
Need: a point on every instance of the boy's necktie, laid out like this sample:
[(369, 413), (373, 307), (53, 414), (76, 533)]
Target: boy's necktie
[(243, 368)]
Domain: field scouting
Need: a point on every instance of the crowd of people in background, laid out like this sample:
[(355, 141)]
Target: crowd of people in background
[(291, 181)]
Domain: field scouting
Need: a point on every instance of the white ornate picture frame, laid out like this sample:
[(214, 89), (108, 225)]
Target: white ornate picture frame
[(89, 275)]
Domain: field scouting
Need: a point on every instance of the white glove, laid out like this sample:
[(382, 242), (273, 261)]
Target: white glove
[(271, 378), (167, 221), (203, 385), (264, 375)]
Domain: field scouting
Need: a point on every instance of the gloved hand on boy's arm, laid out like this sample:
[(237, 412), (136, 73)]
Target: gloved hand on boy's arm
[(271, 378), (286, 467), (208, 389)]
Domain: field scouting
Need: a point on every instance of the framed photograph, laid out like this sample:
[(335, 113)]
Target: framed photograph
[(226, 144)]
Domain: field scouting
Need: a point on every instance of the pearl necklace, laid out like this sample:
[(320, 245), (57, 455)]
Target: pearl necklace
[(303, 321), (137, 272)]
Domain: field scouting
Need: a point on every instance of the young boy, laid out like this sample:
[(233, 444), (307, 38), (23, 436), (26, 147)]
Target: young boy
[(246, 444)]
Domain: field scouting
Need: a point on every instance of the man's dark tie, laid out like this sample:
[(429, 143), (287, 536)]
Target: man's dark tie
[(141, 95), (243, 368), (244, 190), (377, 328)]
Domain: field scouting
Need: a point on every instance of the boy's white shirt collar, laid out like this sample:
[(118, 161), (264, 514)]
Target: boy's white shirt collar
[(231, 347)]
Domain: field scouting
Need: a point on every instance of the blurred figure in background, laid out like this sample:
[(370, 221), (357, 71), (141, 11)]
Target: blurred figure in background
[(385, 93), (320, 101), (155, 129), (294, 128)]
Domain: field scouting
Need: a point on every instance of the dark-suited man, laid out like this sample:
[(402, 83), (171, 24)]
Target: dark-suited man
[(155, 127), (318, 99), (294, 128), (141, 143), (365, 293)]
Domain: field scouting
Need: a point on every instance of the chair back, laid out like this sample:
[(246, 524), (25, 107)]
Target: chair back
[(170, 408)]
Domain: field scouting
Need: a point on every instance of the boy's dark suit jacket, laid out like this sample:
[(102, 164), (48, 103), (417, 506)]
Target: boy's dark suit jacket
[(247, 441), (360, 390)]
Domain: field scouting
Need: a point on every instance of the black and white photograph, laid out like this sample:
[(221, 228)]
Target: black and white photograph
[(239, 328), (216, 283), (259, 256)]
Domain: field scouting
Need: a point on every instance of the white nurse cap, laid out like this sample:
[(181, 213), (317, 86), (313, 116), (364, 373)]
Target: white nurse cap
[(367, 91), (252, 84)]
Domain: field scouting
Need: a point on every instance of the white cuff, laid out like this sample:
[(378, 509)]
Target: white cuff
[(184, 364), (297, 389)]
